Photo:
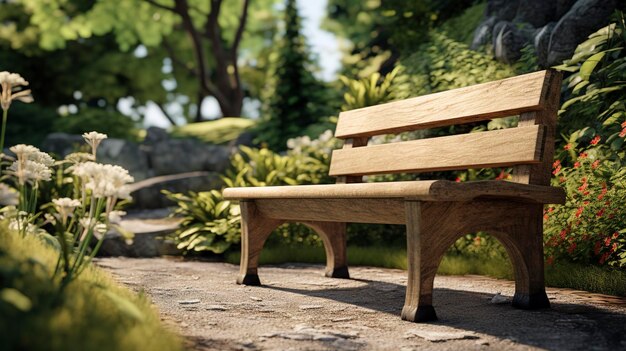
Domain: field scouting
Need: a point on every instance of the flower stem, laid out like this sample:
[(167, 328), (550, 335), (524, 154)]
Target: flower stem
[(5, 114)]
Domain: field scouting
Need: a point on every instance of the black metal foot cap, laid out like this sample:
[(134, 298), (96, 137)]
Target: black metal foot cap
[(420, 314), (340, 272), (531, 301), (249, 279)]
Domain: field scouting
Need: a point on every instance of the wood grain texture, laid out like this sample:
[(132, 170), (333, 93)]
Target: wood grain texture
[(432, 227), (471, 104), (425, 190), (255, 228), (498, 148), (349, 144), (384, 211), (541, 173), (333, 235)]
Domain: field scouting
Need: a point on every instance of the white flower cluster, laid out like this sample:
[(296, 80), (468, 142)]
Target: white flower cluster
[(104, 181), (94, 139), (9, 82), (323, 143), (32, 165)]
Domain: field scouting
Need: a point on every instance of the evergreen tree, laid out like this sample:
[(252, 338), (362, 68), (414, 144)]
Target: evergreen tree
[(296, 98)]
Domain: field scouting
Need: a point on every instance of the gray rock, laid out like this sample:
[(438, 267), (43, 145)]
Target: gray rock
[(502, 9), (441, 334), (63, 144), (536, 12), (562, 6), (541, 41), (483, 33), (187, 155), (509, 39), (585, 17), (155, 135), (126, 154), (150, 238)]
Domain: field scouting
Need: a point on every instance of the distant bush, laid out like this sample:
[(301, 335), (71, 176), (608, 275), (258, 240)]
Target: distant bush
[(112, 123)]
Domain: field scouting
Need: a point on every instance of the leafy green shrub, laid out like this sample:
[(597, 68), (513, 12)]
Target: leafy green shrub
[(209, 223), (112, 123), (220, 131), (589, 227), (443, 63), (93, 313), (596, 92)]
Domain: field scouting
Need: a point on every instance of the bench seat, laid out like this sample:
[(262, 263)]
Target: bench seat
[(422, 190)]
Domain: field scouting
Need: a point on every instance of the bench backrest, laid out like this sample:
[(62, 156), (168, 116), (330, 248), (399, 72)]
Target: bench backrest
[(529, 147)]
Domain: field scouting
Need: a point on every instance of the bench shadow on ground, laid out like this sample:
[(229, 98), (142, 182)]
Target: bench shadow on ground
[(473, 311)]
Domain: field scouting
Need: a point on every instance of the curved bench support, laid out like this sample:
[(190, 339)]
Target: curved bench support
[(254, 231), (333, 235)]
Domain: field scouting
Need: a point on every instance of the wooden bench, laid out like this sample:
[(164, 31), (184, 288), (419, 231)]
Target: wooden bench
[(435, 212)]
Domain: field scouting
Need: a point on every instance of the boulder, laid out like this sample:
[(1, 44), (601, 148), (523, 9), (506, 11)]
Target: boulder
[(584, 18), (483, 33), (187, 155), (541, 41), (126, 154), (63, 144), (509, 39), (537, 13), (504, 10)]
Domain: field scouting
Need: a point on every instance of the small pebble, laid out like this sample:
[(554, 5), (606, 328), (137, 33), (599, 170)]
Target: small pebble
[(189, 302)]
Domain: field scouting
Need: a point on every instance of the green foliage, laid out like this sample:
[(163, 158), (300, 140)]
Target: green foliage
[(220, 131), (461, 28), (209, 223), (596, 92), (109, 122), (94, 313), (29, 124), (369, 91), (295, 99), (444, 64), (382, 31), (589, 227)]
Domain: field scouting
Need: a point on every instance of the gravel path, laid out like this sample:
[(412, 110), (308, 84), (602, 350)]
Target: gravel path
[(300, 309)]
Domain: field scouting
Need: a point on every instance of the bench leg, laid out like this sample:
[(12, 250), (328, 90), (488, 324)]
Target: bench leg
[(527, 257), (333, 235), (422, 266), (254, 231)]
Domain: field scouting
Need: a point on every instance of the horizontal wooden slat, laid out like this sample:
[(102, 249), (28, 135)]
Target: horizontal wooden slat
[(423, 190), (384, 211), (497, 148), (470, 104)]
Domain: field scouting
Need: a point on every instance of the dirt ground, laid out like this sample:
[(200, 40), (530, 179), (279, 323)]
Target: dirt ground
[(300, 309)]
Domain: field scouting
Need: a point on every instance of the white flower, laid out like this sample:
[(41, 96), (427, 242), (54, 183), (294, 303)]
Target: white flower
[(30, 171), (65, 206), (10, 84), (8, 195), (66, 202), (104, 180), (116, 216), (94, 139), (29, 152), (78, 157), (98, 227)]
